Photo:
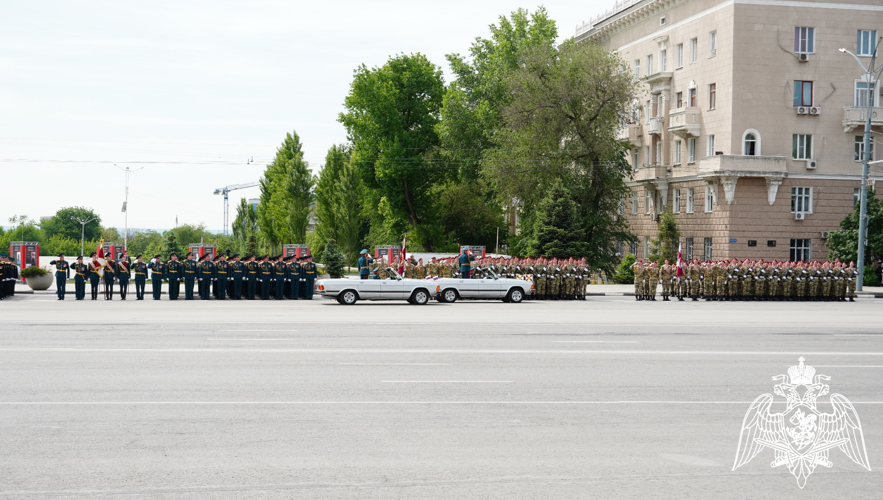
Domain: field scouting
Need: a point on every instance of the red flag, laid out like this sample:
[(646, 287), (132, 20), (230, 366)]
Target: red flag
[(680, 271), (404, 248), (100, 251)]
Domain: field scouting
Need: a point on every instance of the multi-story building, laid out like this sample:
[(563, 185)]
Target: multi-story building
[(750, 124)]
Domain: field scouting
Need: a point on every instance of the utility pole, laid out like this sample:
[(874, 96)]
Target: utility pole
[(871, 77), (125, 210), (82, 231)]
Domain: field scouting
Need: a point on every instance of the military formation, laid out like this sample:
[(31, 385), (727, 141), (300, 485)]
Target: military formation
[(251, 277), (8, 276), (747, 280)]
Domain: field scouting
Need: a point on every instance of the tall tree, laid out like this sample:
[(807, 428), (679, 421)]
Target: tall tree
[(390, 117), (266, 220), (348, 212), (64, 223), (561, 126), (244, 225), (171, 247), (668, 235), (327, 193), (843, 244), (557, 228), (286, 194)]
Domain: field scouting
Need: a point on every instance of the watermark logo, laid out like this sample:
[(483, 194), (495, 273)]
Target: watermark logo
[(801, 436)]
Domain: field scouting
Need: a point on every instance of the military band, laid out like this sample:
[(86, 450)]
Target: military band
[(8, 276)]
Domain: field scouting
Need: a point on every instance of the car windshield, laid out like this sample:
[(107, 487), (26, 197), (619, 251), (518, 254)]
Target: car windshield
[(485, 274), (382, 273)]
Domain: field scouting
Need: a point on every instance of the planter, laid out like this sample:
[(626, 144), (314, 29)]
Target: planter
[(40, 282)]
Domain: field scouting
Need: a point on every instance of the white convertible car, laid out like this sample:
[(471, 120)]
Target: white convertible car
[(485, 285), (349, 291)]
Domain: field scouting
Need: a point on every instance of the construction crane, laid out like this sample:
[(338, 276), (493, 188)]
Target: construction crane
[(224, 191)]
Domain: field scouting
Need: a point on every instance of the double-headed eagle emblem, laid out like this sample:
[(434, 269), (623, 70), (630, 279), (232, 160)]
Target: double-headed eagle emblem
[(801, 436)]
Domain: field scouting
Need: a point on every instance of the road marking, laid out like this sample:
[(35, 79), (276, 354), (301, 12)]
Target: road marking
[(394, 364), (341, 403), (857, 335), (848, 366), (437, 351), (255, 330), (690, 460), (238, 340), (445, 381), (595, 342)]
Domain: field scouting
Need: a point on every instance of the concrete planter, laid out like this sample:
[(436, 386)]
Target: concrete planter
[(40, 282)]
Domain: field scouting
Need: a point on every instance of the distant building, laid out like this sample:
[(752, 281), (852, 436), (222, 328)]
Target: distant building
[(750, 126)]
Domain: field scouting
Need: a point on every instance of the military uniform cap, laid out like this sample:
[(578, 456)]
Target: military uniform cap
[(156, 256), (173, 254), (79, 257), (188, 254), (364, 251), (234, 256), (138, 256)]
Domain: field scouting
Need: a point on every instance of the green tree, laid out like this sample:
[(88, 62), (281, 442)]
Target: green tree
[(245, 225), (64, 223), (390, 117), (24, 229), (625, 275), (557, 229), (561, 126), (470, 215), (350, 221), (286, 194), (145, 243), (843, 244), (668, 234), (333, 259), (171, 246), (111, 234), (266, 220), (327, 194), (188, 234)]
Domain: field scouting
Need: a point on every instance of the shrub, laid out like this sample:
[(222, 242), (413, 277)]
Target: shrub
[(33, 272), (871, 278), (334, 260), (624, 274)]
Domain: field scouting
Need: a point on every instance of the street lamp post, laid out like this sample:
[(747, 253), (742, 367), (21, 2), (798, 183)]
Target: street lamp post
[(125, 210), (83, 231), (871, 77)]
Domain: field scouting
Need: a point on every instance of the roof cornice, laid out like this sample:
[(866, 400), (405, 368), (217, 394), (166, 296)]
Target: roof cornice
[(623, 15)]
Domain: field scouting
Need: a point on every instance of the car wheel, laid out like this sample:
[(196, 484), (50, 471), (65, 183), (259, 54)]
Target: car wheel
[(449, 296), (515, 295), (348, 297), (420, 297)]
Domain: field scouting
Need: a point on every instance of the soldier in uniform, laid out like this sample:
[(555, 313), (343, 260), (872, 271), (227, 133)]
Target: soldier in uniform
[(786, 275), (157, 274), (94, 275), (80, 271), (253, 269), (139, 268), (851, 274), (238, 271), (638, 272), (205, 271), (665, 278), (123, 274), (309, 271), (61, 271), (189, 273), (266, 270), (652, 274), (174, 272), (465, 260), (280, 272), (222, 276), (292, 284), (109, 275)]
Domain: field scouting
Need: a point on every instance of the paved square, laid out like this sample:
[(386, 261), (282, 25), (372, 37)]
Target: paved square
[(608, 398)]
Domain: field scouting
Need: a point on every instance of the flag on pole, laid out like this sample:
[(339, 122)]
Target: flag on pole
[(100, 258), (680, 271), (404, 247)]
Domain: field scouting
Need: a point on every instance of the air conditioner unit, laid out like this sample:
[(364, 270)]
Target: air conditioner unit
[(802, 110), (615, 218), (811, 164), (654, 216), (815, 110), (803, 57), (825, 235), (799, 216)]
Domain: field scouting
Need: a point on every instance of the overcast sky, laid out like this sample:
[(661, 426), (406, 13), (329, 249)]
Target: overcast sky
[(190, 91)]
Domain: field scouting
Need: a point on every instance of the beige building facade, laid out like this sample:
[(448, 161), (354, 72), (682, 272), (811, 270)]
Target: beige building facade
[(750, 124)]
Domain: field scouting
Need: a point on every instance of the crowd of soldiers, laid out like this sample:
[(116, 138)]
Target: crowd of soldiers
[(747, 280), (552, 279), (250, 277), (8, 276)]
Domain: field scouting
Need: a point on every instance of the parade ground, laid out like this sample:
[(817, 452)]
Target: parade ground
[(606, 398)]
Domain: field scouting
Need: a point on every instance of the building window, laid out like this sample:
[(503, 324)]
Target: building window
[(648, 202), (659, 206), (634, 202), (694, 49), (679, 56), (649, 111), (709, 199), (676, 153), (691, 150), (856, 196), (693, 97), (750, 148), (619, 248), (801, 250), (646, 247), (803, 40), (801, 200), (633, 248), (866, 41), (802, 93), (637, 69), (636, 159), (690, 197), (688, 249), (663, 59), (712, 95), (801, 147), (710, 151), (707, 250), (712, 44), (679, 99), (676, 201), (650, 65), (862, 95), (860, 148), (658, 158)]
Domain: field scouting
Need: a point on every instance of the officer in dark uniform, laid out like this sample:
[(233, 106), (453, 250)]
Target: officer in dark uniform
[(198, 281), (123, 273), (94, 276), (109, 272), (157, 274), (253, 268), (61, 271), (293, 277), (140, 270), (280, 273), (365, 261), (80, 270), (174, 272), (266, 273), (466, 259), (309, 277), (222, 276), (189, 274), (204, 272), (237, 273)]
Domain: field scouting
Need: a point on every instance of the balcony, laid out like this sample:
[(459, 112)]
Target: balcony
[(635, 134), (651, 172), (856, 116), (743, 166), (659, 81), (684, 122), (654, 126)]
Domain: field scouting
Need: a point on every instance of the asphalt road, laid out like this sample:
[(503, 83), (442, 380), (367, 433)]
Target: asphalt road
[(608, 398)]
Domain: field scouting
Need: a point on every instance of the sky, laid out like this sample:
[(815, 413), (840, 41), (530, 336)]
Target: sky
[(194, 96)]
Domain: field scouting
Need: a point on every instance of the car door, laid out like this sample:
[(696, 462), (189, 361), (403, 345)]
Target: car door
[(391, 289), (369, 288)]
